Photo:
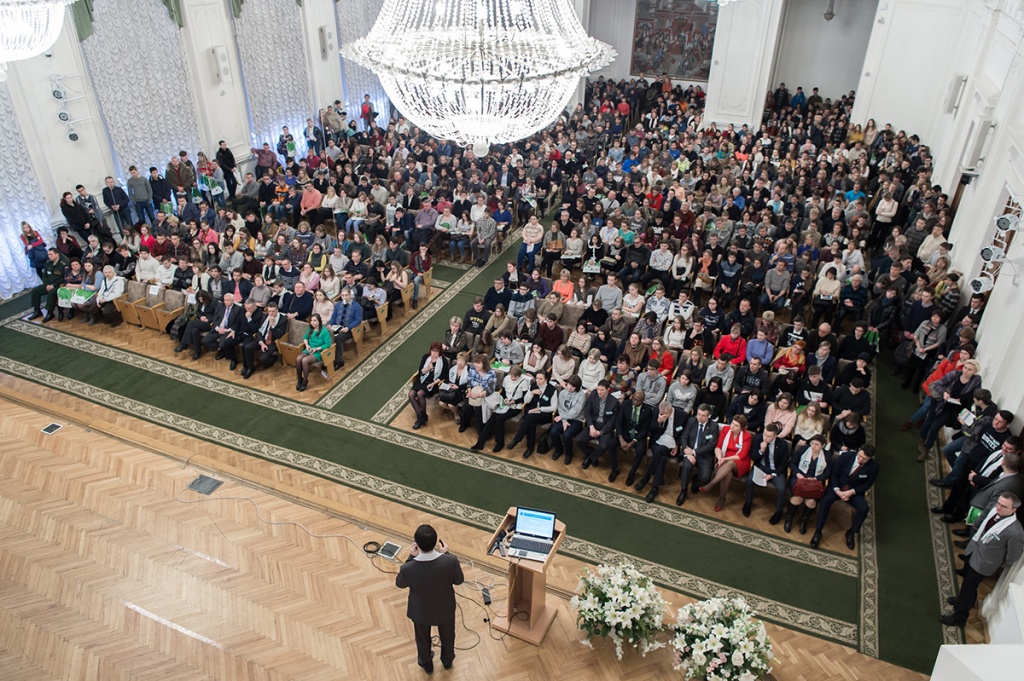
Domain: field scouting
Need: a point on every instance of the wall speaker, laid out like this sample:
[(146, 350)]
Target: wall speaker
[(956, 91), (326, 42), (977, 141), (221, 65)]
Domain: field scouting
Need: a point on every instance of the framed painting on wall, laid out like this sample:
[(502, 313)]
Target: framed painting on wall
[(674, 37)]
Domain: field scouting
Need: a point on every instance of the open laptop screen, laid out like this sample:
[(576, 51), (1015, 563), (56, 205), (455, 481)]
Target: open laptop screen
[(534, 523)]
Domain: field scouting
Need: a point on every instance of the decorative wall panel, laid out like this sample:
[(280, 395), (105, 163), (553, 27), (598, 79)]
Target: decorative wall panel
[(276, 73), (21, 198), (136, 59), (355, 19), (674, 37)]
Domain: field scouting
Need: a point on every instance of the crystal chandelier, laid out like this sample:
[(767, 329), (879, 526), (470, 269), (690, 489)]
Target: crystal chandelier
[(29, 27), (479, 71)]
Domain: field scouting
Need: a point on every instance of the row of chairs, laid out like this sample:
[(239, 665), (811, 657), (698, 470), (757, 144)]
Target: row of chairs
[(156, 307)]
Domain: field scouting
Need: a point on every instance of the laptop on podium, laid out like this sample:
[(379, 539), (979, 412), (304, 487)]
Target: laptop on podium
[(535, 534)]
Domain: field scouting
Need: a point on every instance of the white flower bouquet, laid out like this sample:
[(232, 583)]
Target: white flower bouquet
[(719, 640), (619, 603)]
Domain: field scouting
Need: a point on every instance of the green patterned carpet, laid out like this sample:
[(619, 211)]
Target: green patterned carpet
[(883, 603)]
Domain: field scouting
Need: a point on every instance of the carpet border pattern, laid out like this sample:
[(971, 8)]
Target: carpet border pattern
[(698, 523), (336, 394), (332, 397), (942, 550), (814, 623)]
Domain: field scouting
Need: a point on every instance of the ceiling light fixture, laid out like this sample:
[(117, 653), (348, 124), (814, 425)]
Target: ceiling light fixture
[(29, 27), (479, 72), (830, 13)]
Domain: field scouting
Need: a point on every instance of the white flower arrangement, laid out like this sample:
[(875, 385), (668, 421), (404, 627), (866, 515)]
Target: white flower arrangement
[(719, 640), (619, 603)]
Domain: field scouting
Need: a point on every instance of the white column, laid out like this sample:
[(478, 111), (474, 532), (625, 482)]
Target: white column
[(60, 163), (977, 663), (1003, 609), (320, 28), (910, 38), (583, 12), (741, 63), (1000, 330), (614, 21), (216, 77)]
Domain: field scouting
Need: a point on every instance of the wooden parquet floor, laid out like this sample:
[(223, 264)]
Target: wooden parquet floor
[(279, 379), (106, 574), (441, 426)]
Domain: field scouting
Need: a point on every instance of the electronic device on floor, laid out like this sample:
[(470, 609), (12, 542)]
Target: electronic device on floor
[(389, 550), (204, 484), (534, 536), (51, 429)]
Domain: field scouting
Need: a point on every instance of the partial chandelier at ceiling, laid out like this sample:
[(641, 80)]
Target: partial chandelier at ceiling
[(479, 72), (29, 27)]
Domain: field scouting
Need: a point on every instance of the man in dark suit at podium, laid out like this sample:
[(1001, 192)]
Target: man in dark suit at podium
[(430, 574)]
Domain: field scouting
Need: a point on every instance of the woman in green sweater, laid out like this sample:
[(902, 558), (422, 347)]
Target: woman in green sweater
[(317, 339)]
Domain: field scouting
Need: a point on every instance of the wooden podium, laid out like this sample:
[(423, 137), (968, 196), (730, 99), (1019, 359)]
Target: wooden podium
[(527, 615)]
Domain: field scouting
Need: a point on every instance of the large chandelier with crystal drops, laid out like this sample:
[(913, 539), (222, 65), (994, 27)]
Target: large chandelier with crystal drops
[(479, 71), (29, 27)]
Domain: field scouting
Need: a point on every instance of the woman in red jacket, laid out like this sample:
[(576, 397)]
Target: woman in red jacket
[(666, 359), (734, 344), (952, 362), (732, 457)]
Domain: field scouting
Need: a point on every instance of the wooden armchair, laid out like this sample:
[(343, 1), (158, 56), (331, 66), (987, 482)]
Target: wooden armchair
[(358, 335), (135, 294), (160, 316), (173, 307), (382, 317), (290, 346), (153, 299), (428, 279), (571, 316), (406, 300)]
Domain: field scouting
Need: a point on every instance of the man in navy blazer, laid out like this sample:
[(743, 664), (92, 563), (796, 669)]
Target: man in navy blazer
[(697, 451), (601, 411), (852, 477), (226, 325), (431, 575), (665, 433), (262, 345), (770, 455)]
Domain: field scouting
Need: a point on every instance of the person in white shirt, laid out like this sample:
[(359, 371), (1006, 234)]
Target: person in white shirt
[(111, 288), (337, 260), (165, 273), (147, 266), (853, 260), (479, 209)]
